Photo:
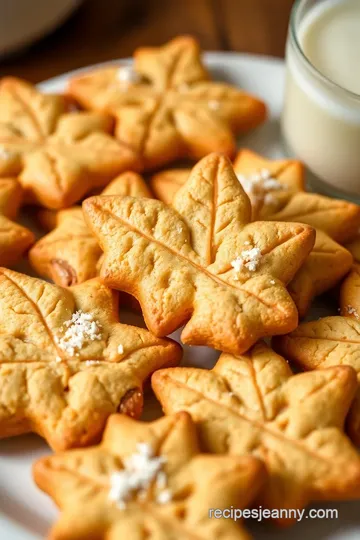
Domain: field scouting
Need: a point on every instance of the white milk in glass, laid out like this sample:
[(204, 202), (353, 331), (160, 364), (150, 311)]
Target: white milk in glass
[(321, 117)]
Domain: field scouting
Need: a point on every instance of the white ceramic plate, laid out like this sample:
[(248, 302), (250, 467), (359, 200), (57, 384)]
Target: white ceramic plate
[(25, 512)]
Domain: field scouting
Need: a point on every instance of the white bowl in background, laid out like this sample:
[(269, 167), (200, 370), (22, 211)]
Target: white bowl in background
[(24, 21)]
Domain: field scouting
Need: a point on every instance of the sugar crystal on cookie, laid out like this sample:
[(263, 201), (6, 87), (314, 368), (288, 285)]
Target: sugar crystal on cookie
[(258, 186), (140, 470), (80, 329), (248, 258)]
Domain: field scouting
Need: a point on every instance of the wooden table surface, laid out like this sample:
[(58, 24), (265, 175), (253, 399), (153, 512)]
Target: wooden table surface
[(105, 29)]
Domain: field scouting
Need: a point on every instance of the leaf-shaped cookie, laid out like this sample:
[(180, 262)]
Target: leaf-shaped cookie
[(252, 404), (14, 239), (327, 263), (200, 262), (339, 219), (70, 253), (58, 157), (166, 108), (331, 341), (66, 362), (173, 485)]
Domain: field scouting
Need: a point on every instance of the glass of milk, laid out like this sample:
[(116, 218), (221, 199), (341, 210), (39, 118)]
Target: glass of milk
[(321, 116)]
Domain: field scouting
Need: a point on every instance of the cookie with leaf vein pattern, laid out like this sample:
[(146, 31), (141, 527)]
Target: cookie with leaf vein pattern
[(58, 156), (253, 404), (201, 262), (147, 480), (166, 107), (67, 363)]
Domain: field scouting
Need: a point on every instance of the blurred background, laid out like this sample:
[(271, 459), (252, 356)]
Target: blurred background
[(82, 32)]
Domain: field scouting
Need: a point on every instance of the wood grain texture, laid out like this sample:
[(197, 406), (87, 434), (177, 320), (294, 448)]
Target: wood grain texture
[(105, 29), (254, 26)]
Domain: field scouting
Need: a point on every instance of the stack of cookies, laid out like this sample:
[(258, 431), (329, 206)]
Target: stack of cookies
[(231, 252)]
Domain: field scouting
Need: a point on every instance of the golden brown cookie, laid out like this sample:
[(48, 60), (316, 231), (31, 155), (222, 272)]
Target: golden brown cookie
[(147, 480), (66, 363), (253, 404), (14, 239), (339, 219), (58, 156), (201, 262), (326, 265), (274, 187), (166, 107), (70, 253)]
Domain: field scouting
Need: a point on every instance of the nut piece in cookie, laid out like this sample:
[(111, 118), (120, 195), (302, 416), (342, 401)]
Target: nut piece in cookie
[(147, 480), (166, 107), (58, 156), (66, 363), (253, 404), (70, 253), (200, 262)]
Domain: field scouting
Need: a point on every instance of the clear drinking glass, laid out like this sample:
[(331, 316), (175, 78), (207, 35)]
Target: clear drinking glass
[(320, 120)]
